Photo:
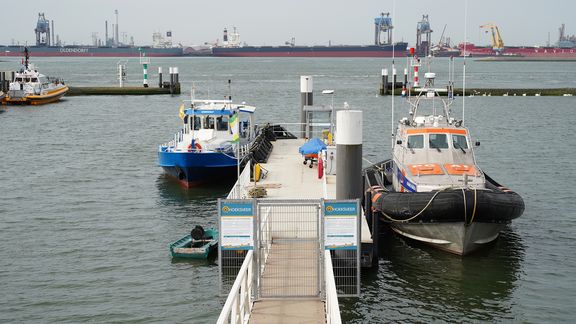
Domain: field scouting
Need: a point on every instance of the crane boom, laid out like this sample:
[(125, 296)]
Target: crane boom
[(497, 42), (441, 41)]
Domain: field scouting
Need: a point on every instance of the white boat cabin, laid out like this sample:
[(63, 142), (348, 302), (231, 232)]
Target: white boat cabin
[(433, 151), (208, 126)]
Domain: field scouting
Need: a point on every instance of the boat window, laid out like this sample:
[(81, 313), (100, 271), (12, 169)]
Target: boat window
[(438, 141), (416, 141), (197, 123), (222, 123), (34, 80), (459, 141), (208, 122), (19, 79)]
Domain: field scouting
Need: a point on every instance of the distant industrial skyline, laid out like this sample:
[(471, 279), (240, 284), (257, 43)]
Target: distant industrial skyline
[(261, 22)]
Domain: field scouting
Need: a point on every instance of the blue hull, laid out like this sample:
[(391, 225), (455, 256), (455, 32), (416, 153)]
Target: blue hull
[(192, 168)]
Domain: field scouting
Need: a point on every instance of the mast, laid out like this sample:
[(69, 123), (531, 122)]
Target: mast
[(393, 73), (26, 57)]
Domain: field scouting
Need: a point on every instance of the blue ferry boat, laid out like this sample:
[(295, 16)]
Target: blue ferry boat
[(215, 135)]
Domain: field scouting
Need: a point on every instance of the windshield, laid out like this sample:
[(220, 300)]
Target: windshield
[(416, 141), (459, 141), (438, 141)]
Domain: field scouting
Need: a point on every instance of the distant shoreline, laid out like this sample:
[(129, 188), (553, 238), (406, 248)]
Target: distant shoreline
[(525, 59)]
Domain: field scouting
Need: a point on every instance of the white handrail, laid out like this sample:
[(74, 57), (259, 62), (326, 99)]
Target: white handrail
[(239, 190), (239, 303), (332, 306)]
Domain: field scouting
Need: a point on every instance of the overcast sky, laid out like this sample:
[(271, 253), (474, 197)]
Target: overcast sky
[(270, 22)]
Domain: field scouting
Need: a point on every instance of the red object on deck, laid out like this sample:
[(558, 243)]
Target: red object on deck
[(320, 168)]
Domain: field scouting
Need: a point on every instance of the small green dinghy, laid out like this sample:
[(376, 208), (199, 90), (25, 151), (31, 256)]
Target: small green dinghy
[(196, 245)]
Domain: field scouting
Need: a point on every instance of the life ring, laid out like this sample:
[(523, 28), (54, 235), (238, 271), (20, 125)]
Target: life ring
[(197, 147)]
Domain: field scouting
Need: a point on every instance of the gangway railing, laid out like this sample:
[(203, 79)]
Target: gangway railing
[(240, 300), (239, 190), (331, 301), (264, 229)]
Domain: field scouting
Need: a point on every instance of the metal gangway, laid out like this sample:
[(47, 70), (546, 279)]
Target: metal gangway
[(288, 260)]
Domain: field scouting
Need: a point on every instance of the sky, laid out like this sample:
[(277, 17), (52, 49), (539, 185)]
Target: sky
[(269, 22)]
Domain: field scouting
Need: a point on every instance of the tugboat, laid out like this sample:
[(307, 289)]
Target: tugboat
[(432, 190), (215, 136), (29, 87)]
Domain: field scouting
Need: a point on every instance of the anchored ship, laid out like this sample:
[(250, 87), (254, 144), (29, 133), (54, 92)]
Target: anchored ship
[(565, 47), (48, 45), (381, 48)]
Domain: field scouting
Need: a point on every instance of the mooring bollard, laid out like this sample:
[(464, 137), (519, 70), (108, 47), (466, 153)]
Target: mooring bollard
[(160, 77)]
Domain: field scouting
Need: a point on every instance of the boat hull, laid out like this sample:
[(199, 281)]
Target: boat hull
[(51, 96), (457, 237), (311, 51), (90, 51), (193, 168), (188, 248), (457, 220)]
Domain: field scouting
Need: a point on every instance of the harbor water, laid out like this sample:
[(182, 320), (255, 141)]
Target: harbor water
[(86, 215)]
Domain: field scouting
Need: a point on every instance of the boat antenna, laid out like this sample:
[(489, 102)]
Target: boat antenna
[(26, 57), (393, 73), (464, 61)]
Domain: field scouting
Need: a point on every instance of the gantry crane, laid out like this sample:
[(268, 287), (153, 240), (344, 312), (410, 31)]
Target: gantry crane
[(497, 42)]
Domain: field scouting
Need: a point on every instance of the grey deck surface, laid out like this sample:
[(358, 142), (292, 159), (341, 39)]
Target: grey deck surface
[(291, 272), (288, 311)]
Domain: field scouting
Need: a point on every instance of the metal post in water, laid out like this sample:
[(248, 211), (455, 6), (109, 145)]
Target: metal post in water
[(394, 77), (307, 99), (349, 154), (121, 74), (160, 77), (145, 81), (384, 82), (171, 71), (405, 77)]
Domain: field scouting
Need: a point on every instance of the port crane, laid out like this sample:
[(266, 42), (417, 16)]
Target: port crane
[(497, 42)]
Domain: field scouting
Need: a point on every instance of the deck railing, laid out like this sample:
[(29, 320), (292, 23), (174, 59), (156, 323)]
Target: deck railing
[(239, 302), (331, 302), (239, 190)]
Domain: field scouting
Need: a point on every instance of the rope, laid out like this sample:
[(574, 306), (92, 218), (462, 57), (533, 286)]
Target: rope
[(474, 209), (413, 217)]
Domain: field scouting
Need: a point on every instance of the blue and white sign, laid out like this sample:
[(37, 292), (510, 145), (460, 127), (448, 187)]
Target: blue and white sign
[(237, 225), (341, 225)]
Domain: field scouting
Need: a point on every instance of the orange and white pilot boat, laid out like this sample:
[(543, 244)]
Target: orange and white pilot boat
[(29, 87), (432, 189)]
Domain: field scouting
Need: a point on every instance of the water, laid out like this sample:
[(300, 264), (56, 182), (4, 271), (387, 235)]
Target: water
[(87, 216)]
